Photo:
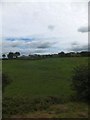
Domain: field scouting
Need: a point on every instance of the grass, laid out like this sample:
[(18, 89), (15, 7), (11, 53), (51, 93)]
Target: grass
[(44, 80), (40, 77), (66, 110)]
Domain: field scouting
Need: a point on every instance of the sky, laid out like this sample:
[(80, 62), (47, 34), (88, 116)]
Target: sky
[(43, 26)]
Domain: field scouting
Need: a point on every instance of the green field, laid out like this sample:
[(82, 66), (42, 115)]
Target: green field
[(40, 78)]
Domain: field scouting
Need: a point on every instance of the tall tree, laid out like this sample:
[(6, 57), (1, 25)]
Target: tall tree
[(17, 54), (3, 55), (10, 55), (61, 54)]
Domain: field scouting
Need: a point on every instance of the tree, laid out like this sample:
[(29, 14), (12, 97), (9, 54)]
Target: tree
[(62, 54), (3, 55), (80, 82), (10, 55), (84, 53), (17, 54)]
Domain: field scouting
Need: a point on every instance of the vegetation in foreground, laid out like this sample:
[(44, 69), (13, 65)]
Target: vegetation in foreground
[(65, 110), (38, 85), (80, 82), (43, 107)]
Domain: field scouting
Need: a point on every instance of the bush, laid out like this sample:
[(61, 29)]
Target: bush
[(5, 81), (80, 82), (21, 105)]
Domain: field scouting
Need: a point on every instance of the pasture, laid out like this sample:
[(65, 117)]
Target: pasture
[(41, 78)]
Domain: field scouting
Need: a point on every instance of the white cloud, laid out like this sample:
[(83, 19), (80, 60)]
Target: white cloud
[(44, 0), (56, 21)]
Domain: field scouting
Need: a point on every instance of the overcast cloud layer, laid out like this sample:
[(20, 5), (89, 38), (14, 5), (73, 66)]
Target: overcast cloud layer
[(44, 27)]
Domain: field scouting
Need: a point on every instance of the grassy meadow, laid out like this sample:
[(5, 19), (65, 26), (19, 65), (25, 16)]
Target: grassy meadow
[(49, 80)]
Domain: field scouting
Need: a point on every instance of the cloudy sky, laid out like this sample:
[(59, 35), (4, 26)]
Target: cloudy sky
[(43, 26)]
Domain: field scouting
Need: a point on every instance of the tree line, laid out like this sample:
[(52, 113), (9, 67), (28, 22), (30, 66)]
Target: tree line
[(11, 55), (17, 55)]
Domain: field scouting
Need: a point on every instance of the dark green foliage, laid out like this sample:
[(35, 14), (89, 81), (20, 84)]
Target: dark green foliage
[(22, 105), (3, 55), (5, 81), (10, 55), (16, 54), (80, 82), (61, 54)]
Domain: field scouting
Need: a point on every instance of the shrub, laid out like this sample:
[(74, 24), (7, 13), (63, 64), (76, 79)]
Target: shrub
[(22, 105), (5, 81), (80, 82)]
